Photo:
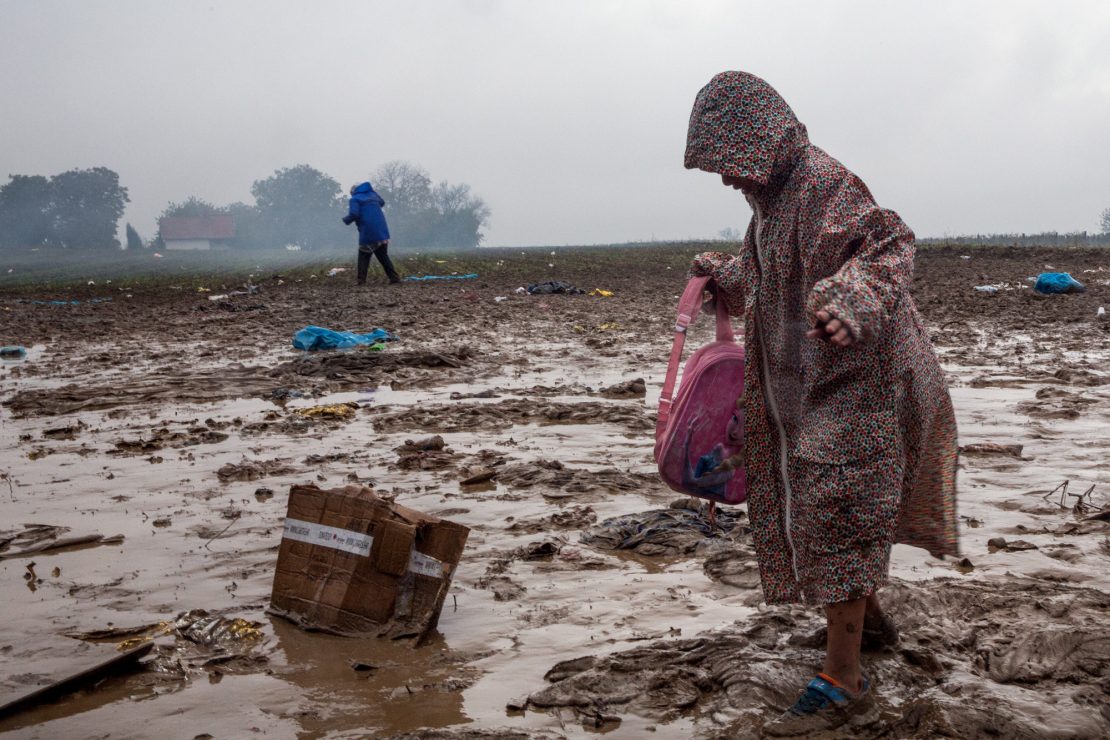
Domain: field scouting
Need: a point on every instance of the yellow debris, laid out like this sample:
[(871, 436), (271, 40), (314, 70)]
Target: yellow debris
[(602, 293), (331, 411)]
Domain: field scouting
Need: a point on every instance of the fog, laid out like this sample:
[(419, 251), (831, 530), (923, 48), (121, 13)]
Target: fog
[(568, 118)]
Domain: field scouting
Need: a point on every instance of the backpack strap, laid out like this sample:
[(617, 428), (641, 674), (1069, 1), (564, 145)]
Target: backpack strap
[(689, 305)]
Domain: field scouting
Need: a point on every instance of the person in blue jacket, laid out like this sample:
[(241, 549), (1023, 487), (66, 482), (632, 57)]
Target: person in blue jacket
[(365, 209)]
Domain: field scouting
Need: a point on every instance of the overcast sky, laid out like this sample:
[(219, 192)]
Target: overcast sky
[(568, 117)]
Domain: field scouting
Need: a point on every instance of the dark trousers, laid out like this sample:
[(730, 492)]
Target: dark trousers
[(365, 252)]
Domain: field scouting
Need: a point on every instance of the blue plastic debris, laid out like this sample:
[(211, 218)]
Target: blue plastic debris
[(1058, 282), (312, 338), (63, 303), (468, 276), (13, 352)]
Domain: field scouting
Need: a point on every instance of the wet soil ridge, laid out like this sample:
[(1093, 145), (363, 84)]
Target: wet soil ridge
[(500, 416), (310, 374), (1009, 658)]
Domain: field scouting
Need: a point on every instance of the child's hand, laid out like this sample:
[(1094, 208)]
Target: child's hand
[(831, 329)]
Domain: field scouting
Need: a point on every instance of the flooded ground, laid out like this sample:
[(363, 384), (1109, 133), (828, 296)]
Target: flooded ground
[(155, 437)]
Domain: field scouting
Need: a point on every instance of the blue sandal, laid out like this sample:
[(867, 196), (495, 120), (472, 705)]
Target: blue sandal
[(824, 705)]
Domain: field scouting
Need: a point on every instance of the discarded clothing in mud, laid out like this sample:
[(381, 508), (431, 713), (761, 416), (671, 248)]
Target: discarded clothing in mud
[(680, 530), (13, 352), (423, 278), (554, 286), (313, 338), (1051, 283)]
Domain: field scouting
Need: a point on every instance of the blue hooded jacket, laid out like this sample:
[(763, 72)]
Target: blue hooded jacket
[(365, 210)]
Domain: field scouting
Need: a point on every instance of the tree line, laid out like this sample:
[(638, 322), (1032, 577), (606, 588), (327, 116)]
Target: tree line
[(73, 209), (298, 205)]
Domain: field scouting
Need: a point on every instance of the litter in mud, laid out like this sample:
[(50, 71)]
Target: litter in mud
[(602, 293), (424, 278), (335, 411), (351, 563), (1051, 283), (13, 352), (34, 539), (316, 338), (553, 287)]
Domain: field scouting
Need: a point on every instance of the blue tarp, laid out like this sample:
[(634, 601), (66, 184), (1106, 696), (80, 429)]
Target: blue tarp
[(312, 338), (469, 276), (1058, 282)]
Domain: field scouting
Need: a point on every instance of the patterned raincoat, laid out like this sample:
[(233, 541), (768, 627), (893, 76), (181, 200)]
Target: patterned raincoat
[(848, 450)]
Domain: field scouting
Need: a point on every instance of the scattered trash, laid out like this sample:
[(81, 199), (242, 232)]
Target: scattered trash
[(13, 352), (38, 538), (988, 289), (335, 271), (468, 276), (500, 298), (157, 255), (220, 297), (965, 256), (57, 302), (552, 287), (521, 291), (602, 293), (387, 568), (204, 290), (1051, 283), (313, 338), (1101, 311)]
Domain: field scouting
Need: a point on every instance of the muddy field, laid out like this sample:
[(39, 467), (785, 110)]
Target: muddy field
[(148, 443)]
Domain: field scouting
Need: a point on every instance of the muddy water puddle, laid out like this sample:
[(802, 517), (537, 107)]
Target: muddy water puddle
[(198, 493)]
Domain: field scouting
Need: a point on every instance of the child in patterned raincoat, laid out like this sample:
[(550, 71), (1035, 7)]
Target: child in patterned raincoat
[(850, 434)]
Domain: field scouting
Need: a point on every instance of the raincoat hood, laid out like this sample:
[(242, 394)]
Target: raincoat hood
[(362, 189), (741, 127)]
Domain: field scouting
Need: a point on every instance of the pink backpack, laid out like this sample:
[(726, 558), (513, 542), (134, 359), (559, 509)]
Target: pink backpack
[(699, 438)]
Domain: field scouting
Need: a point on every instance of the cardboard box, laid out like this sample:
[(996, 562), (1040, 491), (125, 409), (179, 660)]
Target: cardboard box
[(351, 563)]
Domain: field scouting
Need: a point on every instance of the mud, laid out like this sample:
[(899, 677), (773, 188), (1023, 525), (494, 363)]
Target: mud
[(180, 425), (970, 663), (506, 414)]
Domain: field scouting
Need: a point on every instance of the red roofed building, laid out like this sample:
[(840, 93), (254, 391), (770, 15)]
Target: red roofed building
[(196, 232)]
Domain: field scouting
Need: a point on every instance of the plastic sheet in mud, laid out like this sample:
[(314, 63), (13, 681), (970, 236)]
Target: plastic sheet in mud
[(351, 563)]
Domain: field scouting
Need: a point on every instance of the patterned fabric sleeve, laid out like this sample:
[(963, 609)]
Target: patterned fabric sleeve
[(877, 250), (724, 268)]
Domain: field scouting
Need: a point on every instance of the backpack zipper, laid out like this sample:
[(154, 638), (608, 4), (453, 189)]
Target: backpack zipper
[(769, 394)]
